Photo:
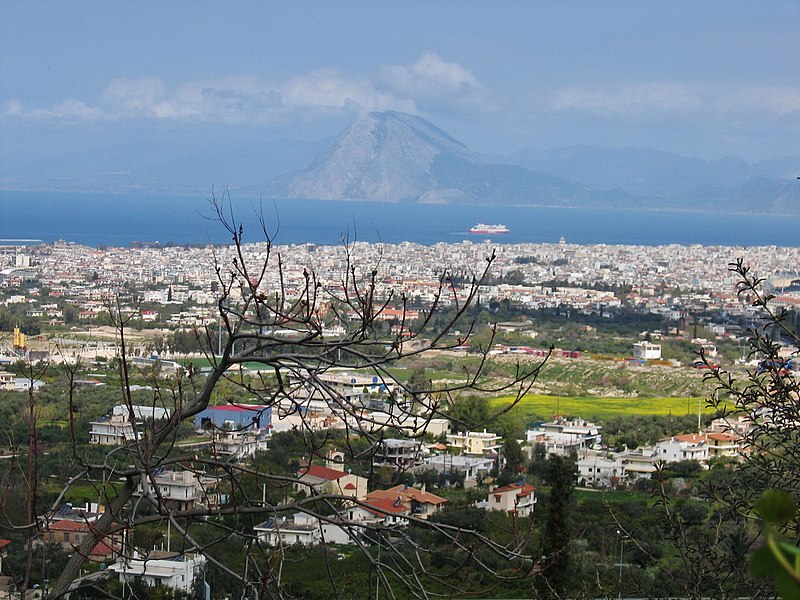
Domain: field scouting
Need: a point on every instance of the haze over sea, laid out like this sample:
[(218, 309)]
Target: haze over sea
[(96, 219)]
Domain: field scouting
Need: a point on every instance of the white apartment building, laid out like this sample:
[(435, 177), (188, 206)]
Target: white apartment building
[(563, 437), (117, 429), (183, 488), (299, 529), (171, 569), (599, 469), (690, 446), (238, 444), (604, 469), (478, 443)]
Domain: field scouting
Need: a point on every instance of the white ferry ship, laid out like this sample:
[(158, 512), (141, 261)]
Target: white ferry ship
[(483, 229)]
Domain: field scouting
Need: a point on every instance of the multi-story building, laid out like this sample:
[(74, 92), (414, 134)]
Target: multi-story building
[(470, 466), (517, 498), (171, 569), (238, 444), (300, 529), (477, 443), (181, 488), (118, 428), (401, 454), (563, 437), (689, 446)]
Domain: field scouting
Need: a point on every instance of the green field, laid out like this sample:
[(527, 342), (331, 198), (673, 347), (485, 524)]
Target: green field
[(539, 406)]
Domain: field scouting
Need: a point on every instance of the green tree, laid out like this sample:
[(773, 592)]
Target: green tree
[(557, 538)]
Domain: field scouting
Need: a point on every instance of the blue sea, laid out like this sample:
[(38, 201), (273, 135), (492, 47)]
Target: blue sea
[(103, 219)]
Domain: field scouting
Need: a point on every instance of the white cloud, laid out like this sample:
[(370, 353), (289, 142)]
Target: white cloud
[(430, 75), (437, 84), (13, 108), (633, 100), (327, 88), (429, 83), (66, 110), (778, 100), (133, 95)]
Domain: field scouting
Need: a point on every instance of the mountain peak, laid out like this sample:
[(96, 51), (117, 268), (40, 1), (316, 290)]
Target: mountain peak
[(382, 156)]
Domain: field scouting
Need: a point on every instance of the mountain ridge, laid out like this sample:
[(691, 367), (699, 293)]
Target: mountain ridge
[(394, 157), (398, 157)]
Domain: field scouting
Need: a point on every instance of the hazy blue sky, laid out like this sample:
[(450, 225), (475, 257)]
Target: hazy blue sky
[(698, 78)]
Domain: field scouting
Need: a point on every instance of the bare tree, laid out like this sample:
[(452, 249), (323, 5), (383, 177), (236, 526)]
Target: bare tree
[(758, 410), (766, 399), (283, 332)]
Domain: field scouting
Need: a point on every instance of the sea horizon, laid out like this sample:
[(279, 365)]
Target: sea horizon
[(121, 219)]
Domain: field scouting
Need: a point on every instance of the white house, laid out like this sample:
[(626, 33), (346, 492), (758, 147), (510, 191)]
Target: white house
[(171, 569), (599, 469), (183, 488), (647, 350), (299, 529), (238, 444), (563, 437), (602, 469), (325, 480), (690, 446), (379, 511), (517, 498), (471, 466), (420, 503), (118, 428)]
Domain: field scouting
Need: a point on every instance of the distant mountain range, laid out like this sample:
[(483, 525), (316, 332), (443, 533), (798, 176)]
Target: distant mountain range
[(396, 157)]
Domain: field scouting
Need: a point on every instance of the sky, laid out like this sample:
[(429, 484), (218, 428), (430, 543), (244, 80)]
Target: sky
[(706, 79)]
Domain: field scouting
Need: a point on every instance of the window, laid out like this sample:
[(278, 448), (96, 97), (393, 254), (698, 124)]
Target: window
[(497, 498)]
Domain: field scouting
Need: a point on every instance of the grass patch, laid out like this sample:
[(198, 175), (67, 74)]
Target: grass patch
[(542, 406)]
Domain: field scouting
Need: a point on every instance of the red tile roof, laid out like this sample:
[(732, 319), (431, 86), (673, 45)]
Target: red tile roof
[(407, 493), (322, 473), (104, 549), (383, 506), (691, 437), (522, 490), (67, 525)]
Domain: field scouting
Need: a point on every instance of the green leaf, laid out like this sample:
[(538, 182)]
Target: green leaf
[(764, 563), (789, 549), (776, 507), (787, 586)]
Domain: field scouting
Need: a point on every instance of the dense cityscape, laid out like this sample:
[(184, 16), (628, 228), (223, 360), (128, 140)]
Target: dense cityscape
[(659, 313)]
